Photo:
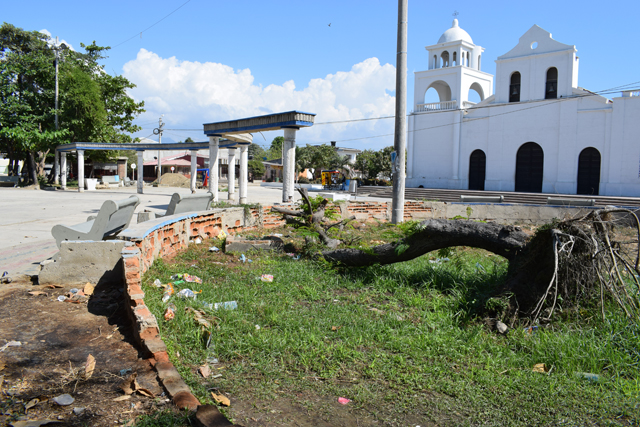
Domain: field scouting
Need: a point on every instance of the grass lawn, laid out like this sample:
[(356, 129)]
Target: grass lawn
[(405, 343)]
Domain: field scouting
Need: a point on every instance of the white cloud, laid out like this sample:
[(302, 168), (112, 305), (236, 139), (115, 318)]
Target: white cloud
[(193, 93), (53, 39)]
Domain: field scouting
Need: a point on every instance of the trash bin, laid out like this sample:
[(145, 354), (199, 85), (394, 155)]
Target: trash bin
[(90, 183), (353, 186)]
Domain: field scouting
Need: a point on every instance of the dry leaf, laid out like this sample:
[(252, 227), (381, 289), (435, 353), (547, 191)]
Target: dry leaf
[(31, 404), (129, 385), (336, 328), (204, 371), (2, 366), (221, 399), (53, 286), (89, 366), (144, 392), (541, 368), (88, 289), (37, 293), (121, 398)]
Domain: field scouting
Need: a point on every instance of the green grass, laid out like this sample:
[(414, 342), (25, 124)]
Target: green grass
[(403, 342)]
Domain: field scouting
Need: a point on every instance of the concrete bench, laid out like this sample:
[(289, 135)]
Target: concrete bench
[(187, 203), (111, 180), (9, 181), (114, 216), (556, 201), (481, 199)]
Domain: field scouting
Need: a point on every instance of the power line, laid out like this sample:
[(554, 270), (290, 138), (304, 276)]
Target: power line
[(148, 28)]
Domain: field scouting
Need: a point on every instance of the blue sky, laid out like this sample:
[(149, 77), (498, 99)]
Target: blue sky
[(210, 60)]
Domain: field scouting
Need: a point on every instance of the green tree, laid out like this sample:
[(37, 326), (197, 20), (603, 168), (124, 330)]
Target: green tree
[(256, 151), (375, 164), (188, 139), (94, 106), (275, 151), (256, 167)]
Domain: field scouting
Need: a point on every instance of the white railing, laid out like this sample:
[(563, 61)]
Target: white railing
[(630, 93), (468, 104), (437, 106)]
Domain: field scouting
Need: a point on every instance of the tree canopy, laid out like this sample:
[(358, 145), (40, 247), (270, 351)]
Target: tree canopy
[(93, 105)]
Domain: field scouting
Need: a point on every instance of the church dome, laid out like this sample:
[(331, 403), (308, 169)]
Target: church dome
[(454, 34)]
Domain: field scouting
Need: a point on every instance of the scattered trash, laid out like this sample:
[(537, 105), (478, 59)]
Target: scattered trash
[(199, 316), (541, 368), (257, 327), (31, 404), (64, 400), (191, 279), (501, 327), (170, 312), (221, 399), (594, 378), (157, 283), (266, 278), (213, 377), (228, 305), (54, 286), (89, 366), (278, 235), (198, 241), (187, 293), (479, 266), (176, 277), (124, 372), (5, 278), (74, 290), (343, 400), (293, 256), (336, 328), (130, 386), (204, 370), (121, 398), (88, 289), (78, 411), (439, 260), (214, 249), (168, 291), (10, 344), (222, 235), (212, 360), (531, 330), (243, 258), (37, 293)]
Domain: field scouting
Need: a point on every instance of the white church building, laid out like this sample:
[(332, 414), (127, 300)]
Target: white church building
[(536, 130)]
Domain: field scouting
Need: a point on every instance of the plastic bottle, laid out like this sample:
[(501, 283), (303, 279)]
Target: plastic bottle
[(168, 291)]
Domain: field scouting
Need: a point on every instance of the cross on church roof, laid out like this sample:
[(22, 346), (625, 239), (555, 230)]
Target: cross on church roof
[(455, 13)]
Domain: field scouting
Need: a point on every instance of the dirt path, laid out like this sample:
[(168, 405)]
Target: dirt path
[(56, 338)]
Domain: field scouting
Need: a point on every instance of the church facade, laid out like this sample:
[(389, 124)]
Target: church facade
[(535, 131)]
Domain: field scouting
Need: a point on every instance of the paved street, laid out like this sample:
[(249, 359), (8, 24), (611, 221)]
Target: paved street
[(28, 216)]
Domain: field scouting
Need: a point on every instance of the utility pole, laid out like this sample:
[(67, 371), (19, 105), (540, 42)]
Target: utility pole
[(158, 131), (400, 136), (57, 155)]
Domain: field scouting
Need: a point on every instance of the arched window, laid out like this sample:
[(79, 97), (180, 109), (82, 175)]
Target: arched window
[(445, 59), (435, 61), (455, 57), (529, 168), (514, 87), (477, 170), (479, 62), (589, 172), (467, 59), (551, 88)]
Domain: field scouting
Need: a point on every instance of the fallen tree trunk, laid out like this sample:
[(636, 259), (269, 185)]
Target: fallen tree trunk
[(572, 261), (434, 234)]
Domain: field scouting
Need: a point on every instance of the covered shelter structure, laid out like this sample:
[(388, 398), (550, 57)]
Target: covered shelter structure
[(290, 121), (232, 143)]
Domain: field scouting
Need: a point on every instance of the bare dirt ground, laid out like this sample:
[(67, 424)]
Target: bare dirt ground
[(56, 339)]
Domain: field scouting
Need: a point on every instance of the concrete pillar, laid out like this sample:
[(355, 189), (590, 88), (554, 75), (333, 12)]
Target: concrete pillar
[(232, 172), (63, 170), (288, 164), (213, 166), (457, 123), (159, 170), (194, 169), (140, 169), (56, 178), (242, 180), (80, 171)]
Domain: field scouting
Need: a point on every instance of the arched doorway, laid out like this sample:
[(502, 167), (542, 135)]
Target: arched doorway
[(529, 168), (477, 170), (589, 171)]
